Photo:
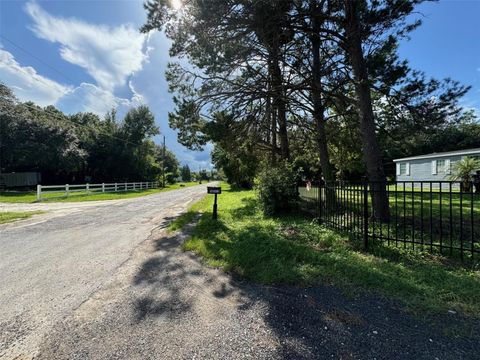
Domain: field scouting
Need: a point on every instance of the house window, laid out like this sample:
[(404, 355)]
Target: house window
[(403, 168), (440, 166)]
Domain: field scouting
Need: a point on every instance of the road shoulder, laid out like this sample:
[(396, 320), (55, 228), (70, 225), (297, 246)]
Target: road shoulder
[(164, 303)]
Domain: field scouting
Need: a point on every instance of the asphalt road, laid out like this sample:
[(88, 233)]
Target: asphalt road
[(108, 282), (54, 262)]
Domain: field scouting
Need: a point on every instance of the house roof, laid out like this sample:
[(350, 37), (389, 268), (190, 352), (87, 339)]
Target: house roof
[(441, 154)]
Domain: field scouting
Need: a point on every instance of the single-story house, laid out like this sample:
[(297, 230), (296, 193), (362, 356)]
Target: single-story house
[(431, 167)]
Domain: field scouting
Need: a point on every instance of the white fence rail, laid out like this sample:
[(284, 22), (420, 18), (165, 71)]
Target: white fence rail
[(67, 190)]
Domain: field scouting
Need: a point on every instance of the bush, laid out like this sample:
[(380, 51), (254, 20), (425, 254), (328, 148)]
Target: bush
[(278, 189), (171, 178)]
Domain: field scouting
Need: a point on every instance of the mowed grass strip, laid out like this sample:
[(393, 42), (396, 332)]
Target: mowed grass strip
[(9, 216), (295, 250), (31, 196)]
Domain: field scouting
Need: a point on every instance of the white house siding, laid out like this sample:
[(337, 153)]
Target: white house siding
[(421, 169)]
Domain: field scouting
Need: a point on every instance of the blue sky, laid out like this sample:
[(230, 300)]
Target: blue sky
[(89, 56)]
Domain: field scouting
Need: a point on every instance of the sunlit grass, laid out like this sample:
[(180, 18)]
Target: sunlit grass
[(12, 216), (31, 196), (297, 251)]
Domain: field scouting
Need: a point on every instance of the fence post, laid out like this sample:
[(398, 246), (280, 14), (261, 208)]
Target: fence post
[(115, 187), (103, 187), (125, 187), (67, 190), (365, 215), (133, 186), (320, 203), (39, 192), (87, 188)]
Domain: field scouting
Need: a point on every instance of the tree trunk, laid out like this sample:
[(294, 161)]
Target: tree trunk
[(280, 106), (318, 108), (272, 128), (319, 117), (371, 149), (274, 136)]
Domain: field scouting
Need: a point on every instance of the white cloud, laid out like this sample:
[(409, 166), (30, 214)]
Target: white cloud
[(109, 54), (27, 84), (91, 98)]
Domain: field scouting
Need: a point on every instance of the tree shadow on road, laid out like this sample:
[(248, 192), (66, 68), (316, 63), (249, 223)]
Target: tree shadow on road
[(308, 323)]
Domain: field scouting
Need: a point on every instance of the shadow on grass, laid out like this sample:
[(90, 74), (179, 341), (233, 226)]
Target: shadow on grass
[(292, 250), (318, 321)]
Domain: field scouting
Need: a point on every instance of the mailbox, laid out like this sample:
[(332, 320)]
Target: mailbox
[(214, 190)]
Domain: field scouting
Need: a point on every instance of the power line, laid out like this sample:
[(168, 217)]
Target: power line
[(40, 79), (36, 57)]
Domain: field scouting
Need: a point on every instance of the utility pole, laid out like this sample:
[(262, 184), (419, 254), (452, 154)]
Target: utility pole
[(163, 161)]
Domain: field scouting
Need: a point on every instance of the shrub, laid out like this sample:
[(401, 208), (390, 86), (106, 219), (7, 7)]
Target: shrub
[(171, 178), (278, 189)]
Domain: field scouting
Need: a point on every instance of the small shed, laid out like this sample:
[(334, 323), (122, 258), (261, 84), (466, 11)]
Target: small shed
[(19, 179), (431, 167)]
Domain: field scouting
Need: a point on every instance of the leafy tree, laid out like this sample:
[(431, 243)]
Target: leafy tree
[(171, 163), (72, 148), (35, 140), (239, 167), (317, 83), (203, 175), (186, 173)]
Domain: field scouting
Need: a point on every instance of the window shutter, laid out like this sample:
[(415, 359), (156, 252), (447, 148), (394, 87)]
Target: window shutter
[(447, 167), (398, 168), (434, 167), (407, 168)]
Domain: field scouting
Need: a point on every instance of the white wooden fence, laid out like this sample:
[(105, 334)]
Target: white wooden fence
[(66, 190)]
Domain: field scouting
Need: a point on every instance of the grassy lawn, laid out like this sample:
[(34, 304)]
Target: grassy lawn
[(12, 216), (31, 196), (296, 250), (435, 219)]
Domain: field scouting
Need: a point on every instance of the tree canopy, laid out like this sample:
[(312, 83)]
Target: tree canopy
[(79, 147), (318, 83)]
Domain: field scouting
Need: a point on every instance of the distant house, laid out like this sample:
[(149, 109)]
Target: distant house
[(431, 167)]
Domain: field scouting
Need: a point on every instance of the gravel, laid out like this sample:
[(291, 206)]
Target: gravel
[(52, 263), (108, 282), (164, 304)]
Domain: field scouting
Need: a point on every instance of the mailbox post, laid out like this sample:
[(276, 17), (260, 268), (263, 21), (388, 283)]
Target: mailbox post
[(214, 190)]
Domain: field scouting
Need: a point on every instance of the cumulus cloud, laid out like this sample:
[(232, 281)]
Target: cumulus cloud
[(27, 84), (91, 98), (109, 54)]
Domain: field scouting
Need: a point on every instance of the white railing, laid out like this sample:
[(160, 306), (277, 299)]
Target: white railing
[(66, 190)]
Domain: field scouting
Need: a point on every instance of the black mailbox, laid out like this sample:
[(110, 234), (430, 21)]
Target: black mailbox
[(214, 190)]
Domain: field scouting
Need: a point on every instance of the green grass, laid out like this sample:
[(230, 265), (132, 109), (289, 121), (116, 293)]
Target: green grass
[(190, 215), (31, 196), (426, 218), (12, 216), (295, 250)]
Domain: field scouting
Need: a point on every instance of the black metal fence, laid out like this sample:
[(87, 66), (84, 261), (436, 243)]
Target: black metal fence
[(424, 215)]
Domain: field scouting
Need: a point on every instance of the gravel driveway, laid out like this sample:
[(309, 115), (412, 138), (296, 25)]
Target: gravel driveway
[(52, 263), (158, 302)]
